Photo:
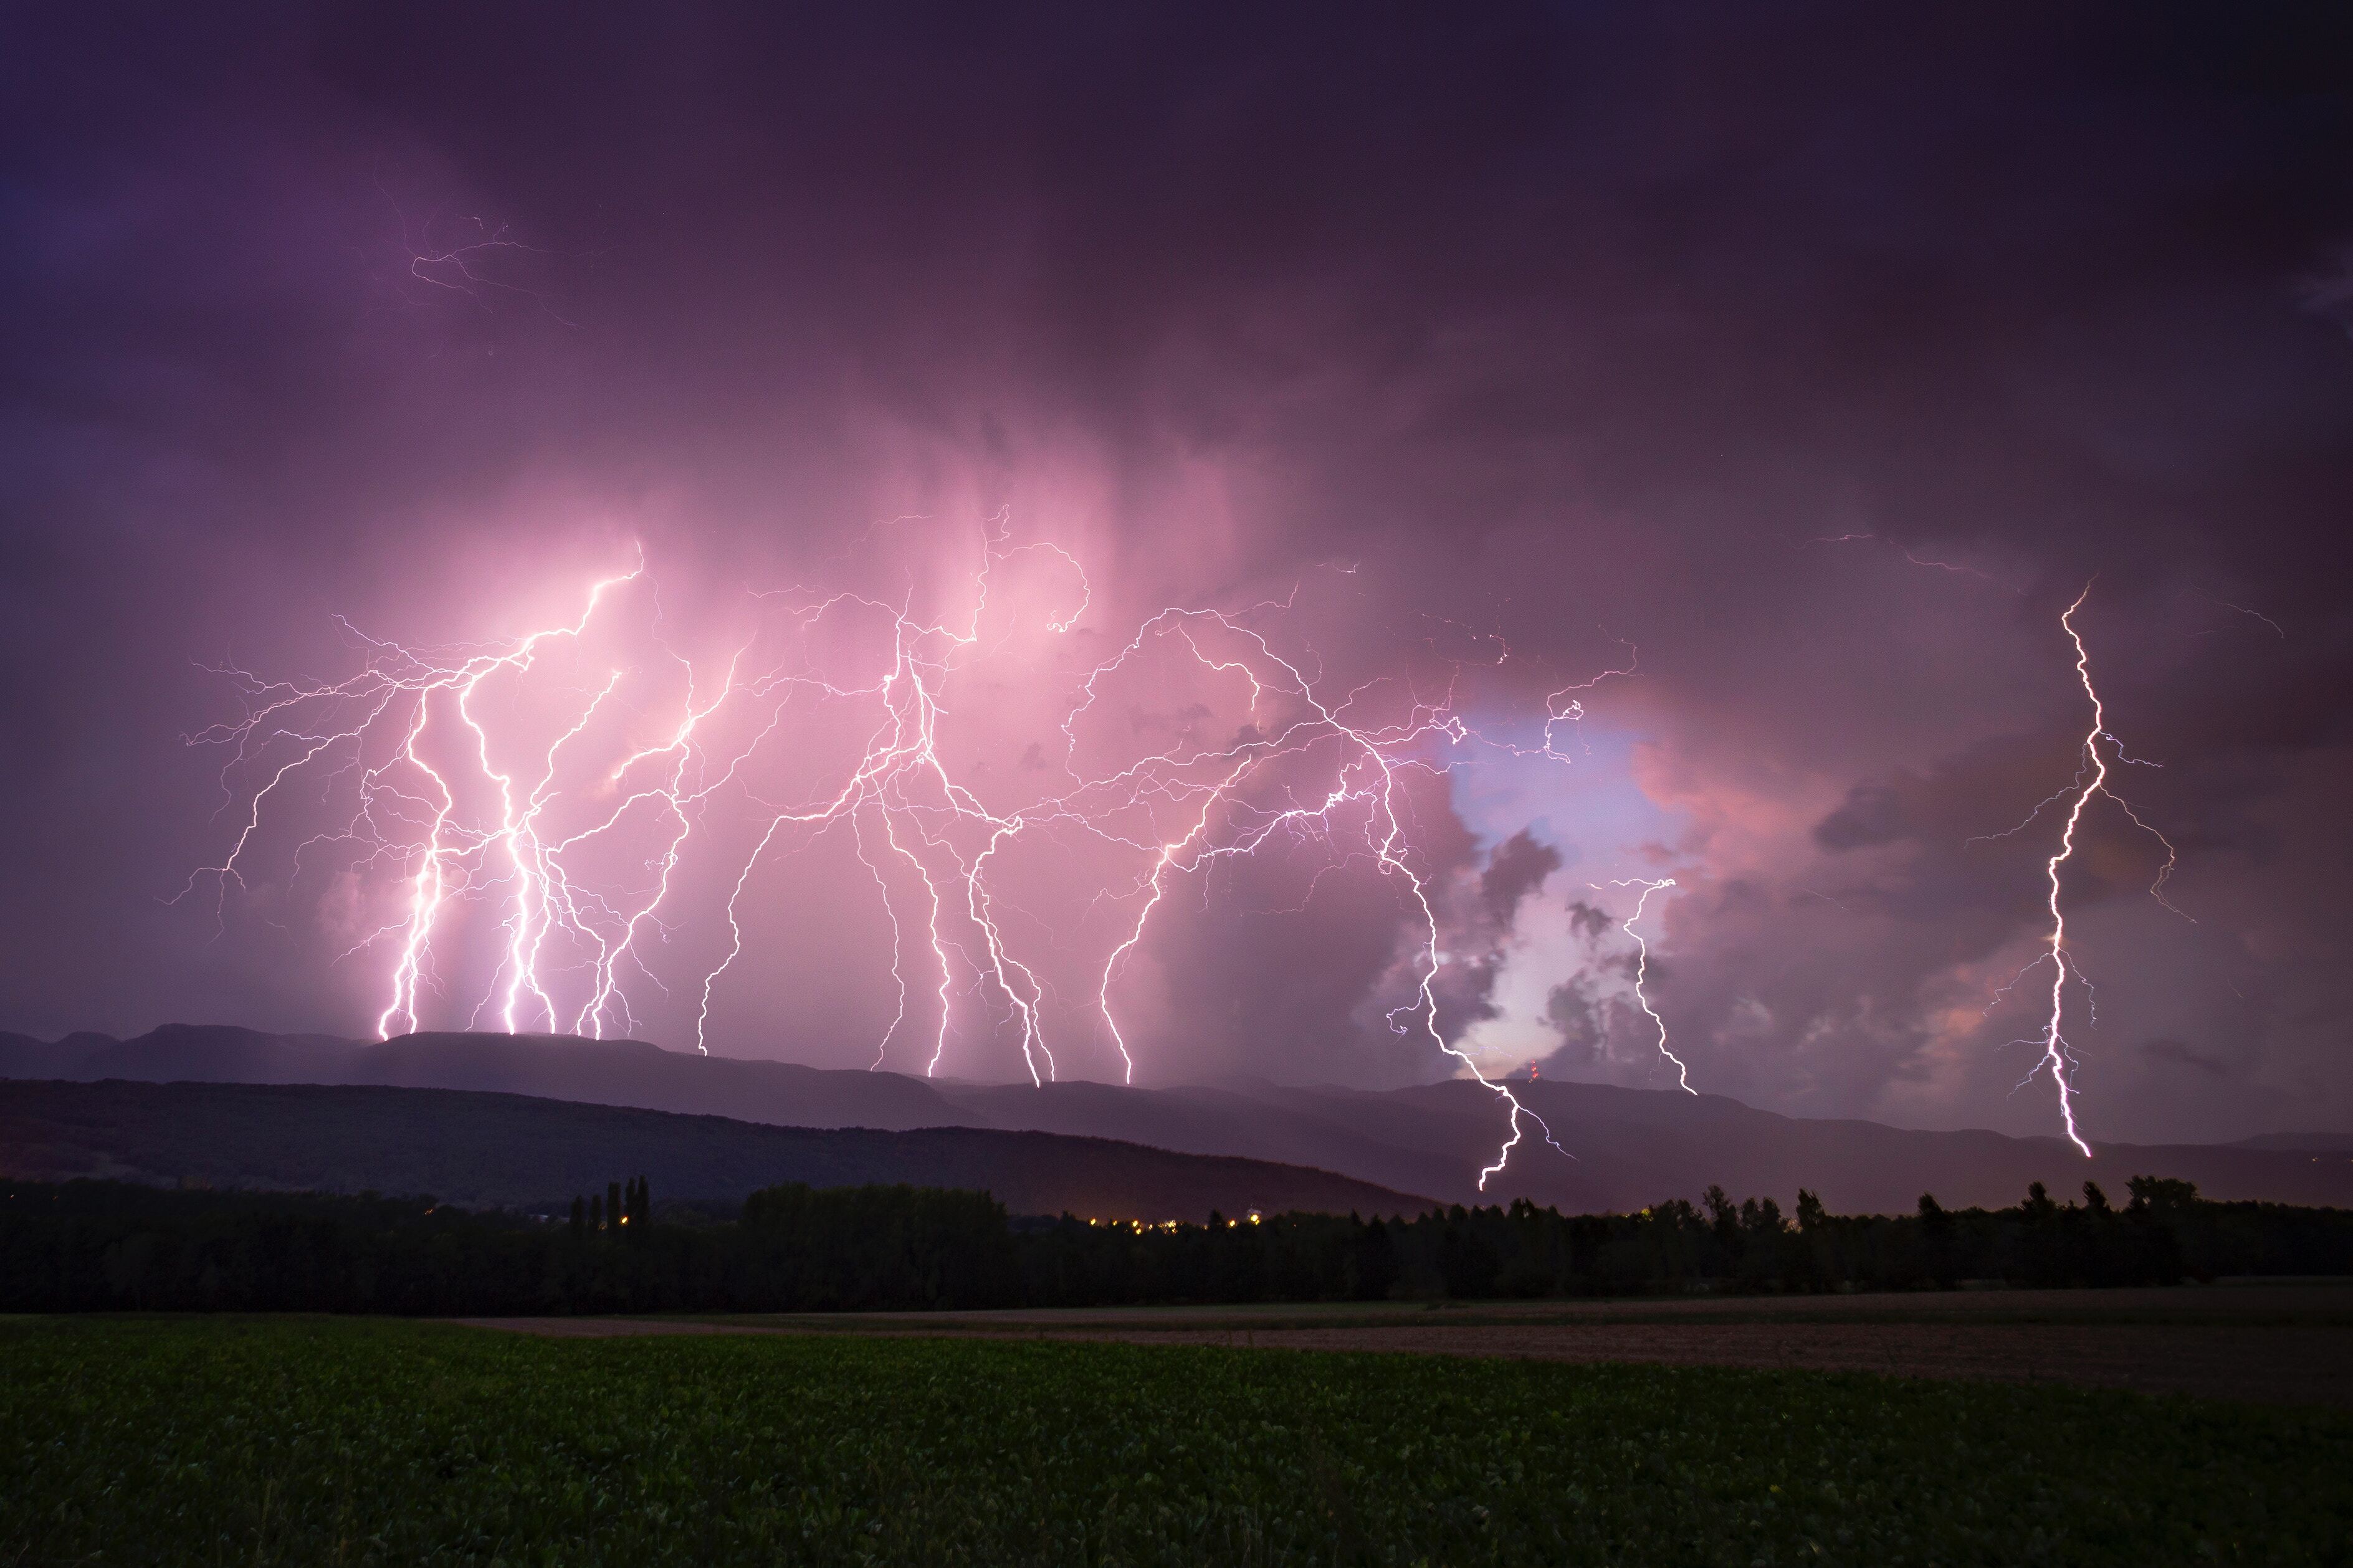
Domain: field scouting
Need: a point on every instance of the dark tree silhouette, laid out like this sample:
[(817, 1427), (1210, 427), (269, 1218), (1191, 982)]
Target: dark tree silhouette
[(101, 1246)]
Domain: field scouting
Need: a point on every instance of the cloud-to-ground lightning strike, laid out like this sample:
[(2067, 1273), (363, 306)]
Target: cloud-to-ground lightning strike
[(474, 786), (1642, 969), (2090, 781)]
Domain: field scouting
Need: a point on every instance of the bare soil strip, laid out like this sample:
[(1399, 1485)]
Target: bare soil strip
[(609, 1328), (2271, 1365), (2288, 1344), (2298, 1303)]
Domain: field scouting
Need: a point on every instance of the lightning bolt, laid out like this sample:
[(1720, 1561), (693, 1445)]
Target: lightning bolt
[(1642, 969), (2091, 781), (477, 783), (2099, 752)]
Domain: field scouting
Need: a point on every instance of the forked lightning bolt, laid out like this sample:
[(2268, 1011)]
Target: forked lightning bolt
[(2090, 781), (463, 806), (1642, 971)]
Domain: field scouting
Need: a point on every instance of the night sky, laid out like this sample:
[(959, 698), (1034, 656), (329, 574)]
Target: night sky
[(1810, 360)]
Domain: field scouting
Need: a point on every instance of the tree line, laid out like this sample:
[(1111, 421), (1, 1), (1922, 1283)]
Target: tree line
[(98, 1245)]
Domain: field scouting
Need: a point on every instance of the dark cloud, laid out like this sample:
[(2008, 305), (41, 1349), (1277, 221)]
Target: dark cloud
[(1517, 869), (1586, 921), (1874, 814), (1583, 1025), (2175, 1053)]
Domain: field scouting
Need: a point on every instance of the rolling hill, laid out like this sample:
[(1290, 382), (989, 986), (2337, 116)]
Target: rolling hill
[(1625, 1148), (517, 1150)]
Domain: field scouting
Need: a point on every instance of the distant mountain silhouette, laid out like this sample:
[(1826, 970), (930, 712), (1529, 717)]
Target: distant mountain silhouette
[(520, 1151), (2301, 1142), (596, 1073), (1631, 1147)]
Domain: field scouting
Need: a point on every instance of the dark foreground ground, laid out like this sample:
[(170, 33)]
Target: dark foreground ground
[(2276, 1343), (314, 1441)]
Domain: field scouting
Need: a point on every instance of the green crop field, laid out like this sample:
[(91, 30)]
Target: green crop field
[(318, 1441)]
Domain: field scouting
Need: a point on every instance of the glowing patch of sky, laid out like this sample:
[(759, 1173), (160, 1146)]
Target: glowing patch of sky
[(1591, 810)]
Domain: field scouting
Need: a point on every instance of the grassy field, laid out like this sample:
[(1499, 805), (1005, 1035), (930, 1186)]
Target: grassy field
[(314, 1441)]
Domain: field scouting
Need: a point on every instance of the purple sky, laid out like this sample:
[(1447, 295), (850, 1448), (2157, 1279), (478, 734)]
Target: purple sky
[(1553, 330)]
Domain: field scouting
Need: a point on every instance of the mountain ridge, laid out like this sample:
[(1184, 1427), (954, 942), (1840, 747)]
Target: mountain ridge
[(1618, 1148), (513, 1150)]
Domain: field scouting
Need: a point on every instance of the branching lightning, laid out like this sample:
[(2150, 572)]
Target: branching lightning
[(1642, 970), (475, 786), (2091, 781), (2099, 752)]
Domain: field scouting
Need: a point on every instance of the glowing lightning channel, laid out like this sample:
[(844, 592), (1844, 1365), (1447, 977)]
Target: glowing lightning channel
[(2054, 1045), (1642, 969), (1366, 777), (2090, 781), (571, 943)]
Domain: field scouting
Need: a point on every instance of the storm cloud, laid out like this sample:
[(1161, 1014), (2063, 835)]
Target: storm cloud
[(1806, 362)]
